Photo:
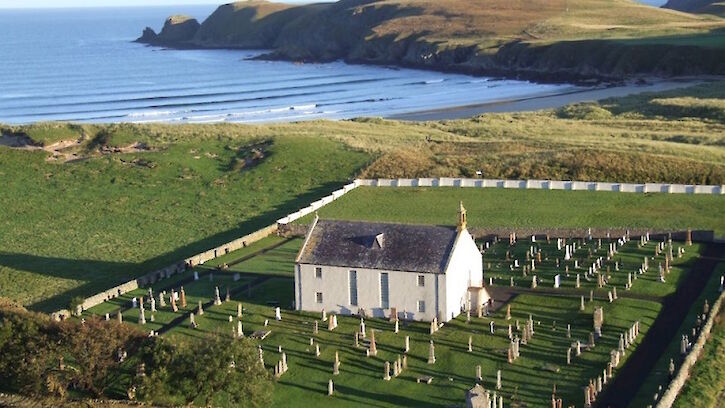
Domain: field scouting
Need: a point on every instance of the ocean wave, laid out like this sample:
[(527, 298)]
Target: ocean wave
[(151, 114)]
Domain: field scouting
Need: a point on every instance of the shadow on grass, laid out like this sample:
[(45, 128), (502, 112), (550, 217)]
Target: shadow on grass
[(96, 273)]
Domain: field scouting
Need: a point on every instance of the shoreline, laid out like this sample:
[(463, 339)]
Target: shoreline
[(549, 100)]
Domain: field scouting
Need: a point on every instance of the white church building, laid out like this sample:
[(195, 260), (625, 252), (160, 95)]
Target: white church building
[(417, 271)]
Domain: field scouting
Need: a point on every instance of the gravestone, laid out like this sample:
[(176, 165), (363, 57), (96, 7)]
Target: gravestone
[(431, 353), (217, 299), (373, 345)]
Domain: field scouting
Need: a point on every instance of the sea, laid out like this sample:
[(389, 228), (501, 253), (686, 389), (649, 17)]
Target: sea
[(81, 65)]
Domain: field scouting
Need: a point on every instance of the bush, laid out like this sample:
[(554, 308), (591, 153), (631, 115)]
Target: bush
[(220, 367)]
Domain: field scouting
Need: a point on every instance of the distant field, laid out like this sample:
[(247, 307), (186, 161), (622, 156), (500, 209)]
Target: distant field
[(496, 208)]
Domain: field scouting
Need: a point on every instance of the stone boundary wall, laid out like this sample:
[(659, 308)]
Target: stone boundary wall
[(547, 185), (677, 383), (299, 230), (320, 203), (170, 270)]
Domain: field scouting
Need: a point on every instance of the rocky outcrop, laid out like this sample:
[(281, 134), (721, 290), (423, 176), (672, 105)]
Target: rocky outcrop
[(177, 30)]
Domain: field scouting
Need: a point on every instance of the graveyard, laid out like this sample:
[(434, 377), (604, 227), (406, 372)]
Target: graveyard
[(557, 329)]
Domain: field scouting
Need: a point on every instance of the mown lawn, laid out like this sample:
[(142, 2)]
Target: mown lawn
[(360, 382), (630, 257), (513, 208)]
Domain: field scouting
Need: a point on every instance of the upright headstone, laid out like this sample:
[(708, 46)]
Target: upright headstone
[(217, 299), (183, 298), (373, 345), (431, 353)]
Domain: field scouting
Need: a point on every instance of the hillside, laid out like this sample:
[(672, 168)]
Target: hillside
[(715, 7), (612, 39)]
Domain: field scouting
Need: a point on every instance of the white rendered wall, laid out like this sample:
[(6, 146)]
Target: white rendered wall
[(464, 269), (404, 292)]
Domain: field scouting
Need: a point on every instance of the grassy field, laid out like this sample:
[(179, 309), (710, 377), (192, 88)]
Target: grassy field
[(116, 201), (501, 208), (79, 227), (360, 381), (703, 385)]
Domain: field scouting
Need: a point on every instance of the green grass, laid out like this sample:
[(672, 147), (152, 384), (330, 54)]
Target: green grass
[(702, 384), (360, 382), (279, 261), (72, 229), (630, 258), (513, 208), (78, 228)]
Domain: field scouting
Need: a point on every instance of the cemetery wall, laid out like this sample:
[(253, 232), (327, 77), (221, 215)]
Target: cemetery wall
[(676, 385), (170, 270), (546, 185), (299, 230)]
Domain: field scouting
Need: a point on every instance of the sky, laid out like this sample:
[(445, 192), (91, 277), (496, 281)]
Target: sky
[(110, 3)]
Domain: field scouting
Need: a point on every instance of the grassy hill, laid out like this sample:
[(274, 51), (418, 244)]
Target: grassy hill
[(715, 7), (536, 38), (89, 206)]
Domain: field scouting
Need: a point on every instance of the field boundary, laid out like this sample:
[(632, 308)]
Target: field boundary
[(167, 272), (533, 184), (683, 373)]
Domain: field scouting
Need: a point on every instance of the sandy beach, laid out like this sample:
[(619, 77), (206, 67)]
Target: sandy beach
[(551, 100)]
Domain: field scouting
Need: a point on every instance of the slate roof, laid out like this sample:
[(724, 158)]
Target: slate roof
[(414, 248)]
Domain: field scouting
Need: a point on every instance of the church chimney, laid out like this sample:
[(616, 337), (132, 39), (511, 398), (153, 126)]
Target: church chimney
[(461, 217)]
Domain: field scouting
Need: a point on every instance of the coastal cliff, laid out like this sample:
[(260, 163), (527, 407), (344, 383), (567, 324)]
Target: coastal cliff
[(547, 40)]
